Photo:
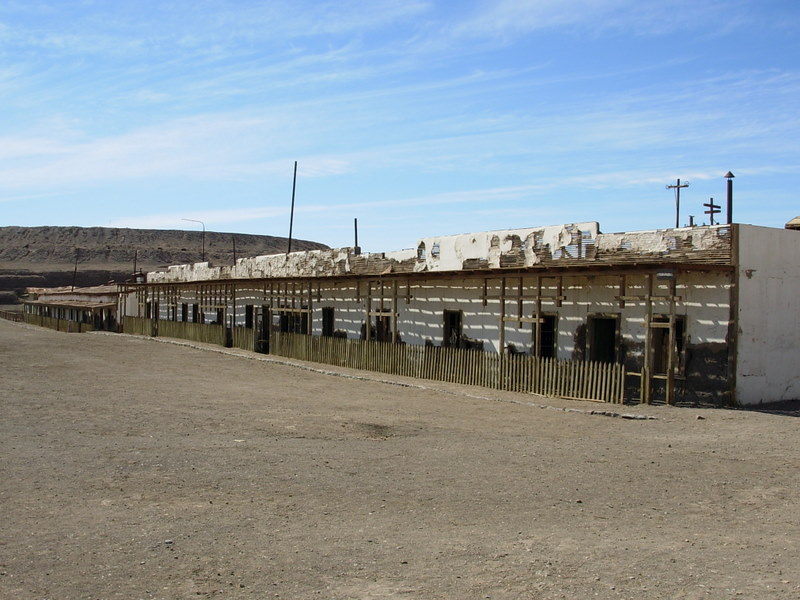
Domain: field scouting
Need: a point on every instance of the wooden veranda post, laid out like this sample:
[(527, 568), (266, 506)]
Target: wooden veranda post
[(648, 337), (502, 332), (670, 391)]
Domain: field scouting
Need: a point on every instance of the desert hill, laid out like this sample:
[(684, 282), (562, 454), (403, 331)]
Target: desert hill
[(47, 256)]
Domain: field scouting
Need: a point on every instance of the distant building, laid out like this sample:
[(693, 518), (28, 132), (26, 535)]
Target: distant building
[(73, 309)]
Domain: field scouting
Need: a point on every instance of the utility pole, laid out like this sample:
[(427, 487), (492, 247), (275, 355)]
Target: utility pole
[(677, 187)]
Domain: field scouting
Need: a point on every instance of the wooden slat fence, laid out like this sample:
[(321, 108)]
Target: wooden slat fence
[(519, 373), (137, 325), (58, 324), (244, 338), (196, 332), (12, 315)]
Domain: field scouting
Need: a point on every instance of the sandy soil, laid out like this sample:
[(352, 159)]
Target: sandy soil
[(133, 468)]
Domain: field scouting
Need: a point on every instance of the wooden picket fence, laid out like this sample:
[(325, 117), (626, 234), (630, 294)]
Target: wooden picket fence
[(519, 373), (580, 380)]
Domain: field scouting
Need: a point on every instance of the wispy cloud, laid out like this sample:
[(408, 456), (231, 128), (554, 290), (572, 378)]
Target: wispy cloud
[(519, 17)]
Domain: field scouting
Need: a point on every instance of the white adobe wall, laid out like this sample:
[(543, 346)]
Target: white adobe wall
[(768, 354), (704, 304)]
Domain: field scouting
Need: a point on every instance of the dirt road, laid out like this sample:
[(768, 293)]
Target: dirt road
[(133, 468)]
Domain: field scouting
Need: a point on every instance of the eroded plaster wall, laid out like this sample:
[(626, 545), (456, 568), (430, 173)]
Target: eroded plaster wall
[(768, 306)]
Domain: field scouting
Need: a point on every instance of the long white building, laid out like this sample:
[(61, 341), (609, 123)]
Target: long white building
[(696, 315)]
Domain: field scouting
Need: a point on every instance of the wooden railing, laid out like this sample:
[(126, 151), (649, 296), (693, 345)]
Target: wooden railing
[(520, 373)]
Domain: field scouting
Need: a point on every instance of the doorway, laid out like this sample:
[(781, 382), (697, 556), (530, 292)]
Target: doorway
[(603, 339), (452, 329)]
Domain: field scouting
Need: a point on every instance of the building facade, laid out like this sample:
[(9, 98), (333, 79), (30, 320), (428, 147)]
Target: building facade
[(696, 315)]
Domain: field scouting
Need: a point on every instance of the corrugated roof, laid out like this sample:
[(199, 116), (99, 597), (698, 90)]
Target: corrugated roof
[(73, 304)]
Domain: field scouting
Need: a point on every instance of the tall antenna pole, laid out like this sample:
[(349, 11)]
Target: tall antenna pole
[(291, 215), (677, 187), (355, 228)]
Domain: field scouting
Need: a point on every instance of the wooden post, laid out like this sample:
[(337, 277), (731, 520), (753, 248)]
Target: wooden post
[(645, 389), (670, 392), (310, 314), (502, 317), (395, 312), (537, 324), (368, 302)]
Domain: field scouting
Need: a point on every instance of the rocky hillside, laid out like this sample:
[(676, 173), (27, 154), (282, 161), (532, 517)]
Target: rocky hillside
[(46, 256)]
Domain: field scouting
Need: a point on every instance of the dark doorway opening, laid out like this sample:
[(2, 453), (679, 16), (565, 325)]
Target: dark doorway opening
[(660, 345), (547, 342), (453, 331), (327, 321), (382, 331), (603, 339), (293, 322)]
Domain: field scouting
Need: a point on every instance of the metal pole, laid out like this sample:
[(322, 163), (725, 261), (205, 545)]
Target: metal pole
[(204, 236), (355, 227), (291, 214), (729, 176)]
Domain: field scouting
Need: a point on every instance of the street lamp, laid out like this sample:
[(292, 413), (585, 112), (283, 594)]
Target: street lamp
[(204, 235)]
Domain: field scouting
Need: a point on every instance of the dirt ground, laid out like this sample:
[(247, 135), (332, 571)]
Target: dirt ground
[(135, 468)]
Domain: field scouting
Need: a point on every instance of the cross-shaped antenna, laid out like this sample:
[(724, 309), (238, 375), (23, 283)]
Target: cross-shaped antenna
[(713, 209), (677, 187)]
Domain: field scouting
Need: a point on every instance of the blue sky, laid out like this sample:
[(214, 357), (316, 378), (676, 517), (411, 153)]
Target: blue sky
[(419, 118)]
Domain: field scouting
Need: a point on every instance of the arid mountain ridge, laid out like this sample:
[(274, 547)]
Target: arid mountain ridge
[(48, 256)]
